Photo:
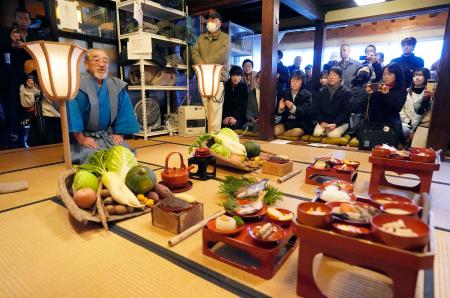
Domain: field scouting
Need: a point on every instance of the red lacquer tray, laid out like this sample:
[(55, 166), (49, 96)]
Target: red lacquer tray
[(402, 266), (312, 172), (267, 260)]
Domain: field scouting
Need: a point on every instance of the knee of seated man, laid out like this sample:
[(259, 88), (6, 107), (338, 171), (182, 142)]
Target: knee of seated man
[(279, 129)]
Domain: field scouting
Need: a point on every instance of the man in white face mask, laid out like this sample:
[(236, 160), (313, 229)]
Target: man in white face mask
[(213, 47)]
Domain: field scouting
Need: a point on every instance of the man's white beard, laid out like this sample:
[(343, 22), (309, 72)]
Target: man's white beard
[(100, 76)]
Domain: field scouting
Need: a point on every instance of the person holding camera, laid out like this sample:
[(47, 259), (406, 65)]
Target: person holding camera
[(329, 106), (295, 109), (45, 126), (387, 98), (408, 60), (418, 101), (358, 104), (370, 60)]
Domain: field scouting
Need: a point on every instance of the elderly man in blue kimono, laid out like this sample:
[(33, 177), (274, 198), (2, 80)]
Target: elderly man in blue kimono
[(101, 113)]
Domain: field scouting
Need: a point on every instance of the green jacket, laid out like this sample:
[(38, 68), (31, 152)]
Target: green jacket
[(213, 50)]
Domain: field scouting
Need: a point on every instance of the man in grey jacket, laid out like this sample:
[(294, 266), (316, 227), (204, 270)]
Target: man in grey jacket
[(348, 65)]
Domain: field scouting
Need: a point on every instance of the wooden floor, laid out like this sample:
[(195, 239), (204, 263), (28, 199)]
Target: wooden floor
[(45, 253)]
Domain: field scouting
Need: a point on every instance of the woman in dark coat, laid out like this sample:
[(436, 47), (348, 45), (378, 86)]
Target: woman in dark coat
[(295, 109), (358, 103), (235, 100), (330, 106), (388, 99)]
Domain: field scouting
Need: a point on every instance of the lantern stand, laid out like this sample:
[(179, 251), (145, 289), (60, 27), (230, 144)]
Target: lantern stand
[(208, 79), (59, 78)]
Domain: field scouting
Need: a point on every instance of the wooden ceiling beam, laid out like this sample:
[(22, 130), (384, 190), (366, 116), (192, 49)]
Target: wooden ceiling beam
[(307, 8), (200, 6)]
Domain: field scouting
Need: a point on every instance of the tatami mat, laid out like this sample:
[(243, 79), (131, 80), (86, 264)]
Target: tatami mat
[(27, 227), (43, 255)]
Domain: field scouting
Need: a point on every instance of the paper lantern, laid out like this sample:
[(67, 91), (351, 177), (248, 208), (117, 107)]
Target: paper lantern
[(59, 77), (208, 78)]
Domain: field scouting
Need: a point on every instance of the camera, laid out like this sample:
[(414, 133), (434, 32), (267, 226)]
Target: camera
[(375, 86), (362, 58)]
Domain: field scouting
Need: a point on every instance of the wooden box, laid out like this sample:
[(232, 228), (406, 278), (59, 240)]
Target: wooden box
[(177, 222), (277, 169)]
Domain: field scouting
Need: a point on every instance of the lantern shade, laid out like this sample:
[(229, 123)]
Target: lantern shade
[(208, 78), (57, 65)]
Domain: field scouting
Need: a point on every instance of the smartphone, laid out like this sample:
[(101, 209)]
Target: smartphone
[(375, 86), (362, 58), (431, 85)]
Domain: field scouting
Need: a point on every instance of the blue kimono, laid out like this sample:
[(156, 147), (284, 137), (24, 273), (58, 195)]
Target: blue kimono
[(98, 112)]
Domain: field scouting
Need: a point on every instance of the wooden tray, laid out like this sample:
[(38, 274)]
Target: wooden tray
[(311, 172), (84, 216), (406, 164), (402, 266), (421, 169), (270, 259)]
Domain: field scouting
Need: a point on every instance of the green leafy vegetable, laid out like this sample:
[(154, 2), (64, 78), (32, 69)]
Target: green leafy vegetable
[(229, 133), (96, 163), (199, 143), (239, 220), (120, 160), (85, 179), (221, 150)]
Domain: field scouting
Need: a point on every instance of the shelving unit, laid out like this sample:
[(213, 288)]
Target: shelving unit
[(243, 48), (156, 11)]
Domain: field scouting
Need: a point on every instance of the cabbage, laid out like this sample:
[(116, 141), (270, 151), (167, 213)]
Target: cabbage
[(221, 150), (120, 160), (85, 179), (229, 133)]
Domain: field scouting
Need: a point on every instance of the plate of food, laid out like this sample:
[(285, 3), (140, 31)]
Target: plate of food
[(400, 208), (314, 214), (380, 198), (344, 168), (340, 184), (225, 225), (266, 233), (280, 216), (403, 232), (355, 213), (352, 163), (332, 193), (351, 230)]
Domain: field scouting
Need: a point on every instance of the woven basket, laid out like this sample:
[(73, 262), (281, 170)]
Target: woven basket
[(81, 215), (222, 161)]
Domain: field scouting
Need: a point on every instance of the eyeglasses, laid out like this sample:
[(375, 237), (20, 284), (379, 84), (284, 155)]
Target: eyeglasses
[(98, 61)]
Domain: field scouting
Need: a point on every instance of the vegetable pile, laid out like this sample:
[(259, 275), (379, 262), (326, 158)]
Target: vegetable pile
[(129, 186), (226, 144)]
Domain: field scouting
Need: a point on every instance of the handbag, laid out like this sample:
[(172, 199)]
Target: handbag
[(373, 134)]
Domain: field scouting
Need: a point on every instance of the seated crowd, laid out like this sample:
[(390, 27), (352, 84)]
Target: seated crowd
[(348, 94)]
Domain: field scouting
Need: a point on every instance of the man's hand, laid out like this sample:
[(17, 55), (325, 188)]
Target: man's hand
[(89, 143), (232, 121), (85, 141), (324, 125), (117, 139), (281, 104)]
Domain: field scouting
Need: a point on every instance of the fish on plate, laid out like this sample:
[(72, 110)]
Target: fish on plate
[(251, 190), (252, 207)]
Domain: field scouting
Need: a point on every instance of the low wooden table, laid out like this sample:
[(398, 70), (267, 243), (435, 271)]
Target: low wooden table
[(401, 266), (423, 170)]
